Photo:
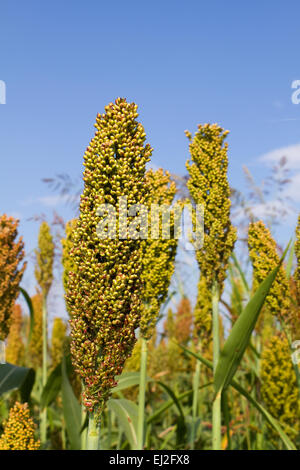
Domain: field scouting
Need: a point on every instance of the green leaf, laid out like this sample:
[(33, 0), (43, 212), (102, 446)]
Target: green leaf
[(239, 337), (126, 380), (286, 440), (181, 424), (289, 263), (242, 275), (54, 382), (71, 410), (52, 387), (127, 414), (171, 402), (16, 378), (31, 312), (27, 386), (173, 396)]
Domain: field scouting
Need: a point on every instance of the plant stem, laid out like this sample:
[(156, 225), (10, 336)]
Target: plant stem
[(216, 411), (195, 403), (43, 428), (63, 434), (84, 432), (142, 394), (226, 414), (109, 428), (93, 434)]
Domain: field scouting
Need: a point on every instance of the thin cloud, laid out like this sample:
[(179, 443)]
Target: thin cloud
[(291, 152), (47, 201)]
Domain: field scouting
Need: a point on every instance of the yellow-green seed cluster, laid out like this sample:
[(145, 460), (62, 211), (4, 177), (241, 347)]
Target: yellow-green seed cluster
[(15, 349), (297, 251), (11, 272), (104, 290), (278, 385), (19, 430), (58, 338), (158, 254), (35, 349), (203, 313), (264, 258), (183, 321), (208, 186), (44, 259), (67, 260)]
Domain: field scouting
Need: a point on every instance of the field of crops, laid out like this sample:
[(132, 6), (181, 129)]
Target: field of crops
[(143, 362)]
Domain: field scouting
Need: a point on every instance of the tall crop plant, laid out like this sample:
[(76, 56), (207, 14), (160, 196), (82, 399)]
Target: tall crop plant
[(104, 290), (158, 256), (208, 186), (44, 277)]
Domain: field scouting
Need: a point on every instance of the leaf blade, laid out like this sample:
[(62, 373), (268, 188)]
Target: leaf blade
[(14, 378), (127, 414), (286, 440), (239, 337), (71, 409)]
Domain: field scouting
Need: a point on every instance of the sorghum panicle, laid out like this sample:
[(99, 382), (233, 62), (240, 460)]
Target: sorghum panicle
[(297, 251), (294, 284), (44, 258), (35, 348), (208, 186), (15, 347), (183, 321), (11, 272), (19, 430), (264, 258), (279, 387), (59, 332), (104, 290), (158, 254), (67, 260)]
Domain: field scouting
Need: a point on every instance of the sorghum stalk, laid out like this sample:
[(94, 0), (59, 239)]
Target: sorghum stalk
[(196, 383), (104, 287), (142, 394), (158, 267), (216, 428), (84, 432), (44, 277), (208, 186), (93, 433), (44, 371)]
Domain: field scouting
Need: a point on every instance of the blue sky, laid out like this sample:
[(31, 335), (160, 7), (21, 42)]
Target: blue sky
[(183, 63)]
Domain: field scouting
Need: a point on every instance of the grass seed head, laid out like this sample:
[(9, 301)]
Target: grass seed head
[(104, 289), (44, 259), (264, 258), (11, 270), (208, 186), (19, 430), (158, 254)]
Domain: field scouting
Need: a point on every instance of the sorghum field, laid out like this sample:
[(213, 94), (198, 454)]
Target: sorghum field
[(138, 364), (149, 230)]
